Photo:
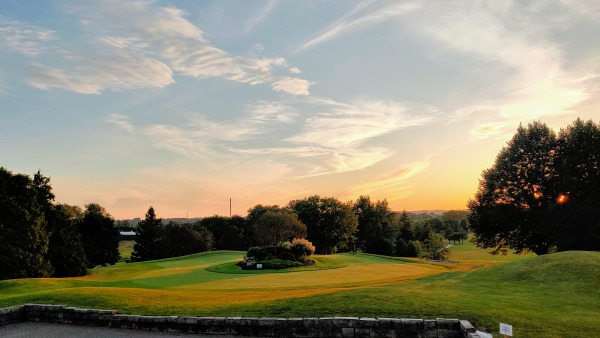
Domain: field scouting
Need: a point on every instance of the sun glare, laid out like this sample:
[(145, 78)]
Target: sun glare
[(561, 199)]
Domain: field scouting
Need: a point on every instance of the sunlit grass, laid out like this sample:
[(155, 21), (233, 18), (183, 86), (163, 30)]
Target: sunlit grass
[(548, 296)]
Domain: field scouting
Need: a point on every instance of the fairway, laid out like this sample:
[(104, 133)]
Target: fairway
[(551, 296)]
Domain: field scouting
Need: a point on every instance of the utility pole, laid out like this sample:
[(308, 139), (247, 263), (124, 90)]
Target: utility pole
[(229, 207)]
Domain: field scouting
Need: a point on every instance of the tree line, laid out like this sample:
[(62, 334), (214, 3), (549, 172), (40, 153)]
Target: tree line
[(330, 224), (39, 238)]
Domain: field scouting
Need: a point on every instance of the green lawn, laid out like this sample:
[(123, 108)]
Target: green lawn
[(549, 296)]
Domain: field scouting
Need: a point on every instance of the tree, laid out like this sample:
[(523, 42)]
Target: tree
[(274, 227), (149, 238), (401, 247), (330, 224), (578, 164), (99, 236), (24, 240), (65, 253), (183, 239), (435, 248), (230, 233), (407, 230), (542, 192), (377, 229)]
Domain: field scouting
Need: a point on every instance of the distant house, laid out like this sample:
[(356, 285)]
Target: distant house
[(127, 235)]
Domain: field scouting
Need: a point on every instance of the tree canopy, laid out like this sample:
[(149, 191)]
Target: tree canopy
[(99, 235), (542, 192), (330, 224)]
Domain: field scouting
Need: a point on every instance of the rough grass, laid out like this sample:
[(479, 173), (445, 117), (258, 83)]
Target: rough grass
[(548, 296), (125, 249)]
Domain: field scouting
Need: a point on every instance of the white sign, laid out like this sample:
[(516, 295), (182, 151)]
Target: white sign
[(506, 329), (259, 266)]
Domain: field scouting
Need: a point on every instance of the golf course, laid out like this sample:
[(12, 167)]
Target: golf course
[(554, 295)]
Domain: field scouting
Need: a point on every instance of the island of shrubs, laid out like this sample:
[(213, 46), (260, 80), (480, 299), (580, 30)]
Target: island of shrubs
[(287, 254)]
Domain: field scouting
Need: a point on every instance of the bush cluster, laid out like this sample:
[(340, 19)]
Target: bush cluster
[(285, 255)]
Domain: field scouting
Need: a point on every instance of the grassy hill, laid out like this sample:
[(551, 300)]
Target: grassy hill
[(548, 296)]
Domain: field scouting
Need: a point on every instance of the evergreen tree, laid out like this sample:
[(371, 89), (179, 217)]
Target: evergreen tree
[(407, 230), (23, 237), (149, 238), (99, 235)]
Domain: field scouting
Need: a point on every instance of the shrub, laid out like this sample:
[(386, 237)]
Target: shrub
[(414, 249), (276, 264), (302, 248)]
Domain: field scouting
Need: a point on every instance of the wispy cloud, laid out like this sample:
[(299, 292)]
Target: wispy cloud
[(360, 18), (164, 33), (22, 37), (262, 15), (392, 183), (350, 125), (121, 121), (341, 137), (540, 84), (292, 86)]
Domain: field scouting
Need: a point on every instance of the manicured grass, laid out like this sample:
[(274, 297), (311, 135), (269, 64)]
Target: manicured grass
[(548, 296), (125, 249)]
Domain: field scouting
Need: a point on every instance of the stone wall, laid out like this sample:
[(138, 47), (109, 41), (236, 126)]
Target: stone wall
[(244, 326)]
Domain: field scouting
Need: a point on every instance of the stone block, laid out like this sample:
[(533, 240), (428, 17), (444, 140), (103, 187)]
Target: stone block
[(367, 323), (448, 328), (430, 328), (466, 327), (347, 332), (362, 332)]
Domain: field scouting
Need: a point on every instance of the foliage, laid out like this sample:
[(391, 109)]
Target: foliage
[(229, 233), (183, 239), (149, 238), (414, 249), (99, 236), (301, 248), (298, 250), (377, 228), (65, 252), (330, 224), (434, 248), (272, 227), (542, 194), (24, 240), (407, 229)]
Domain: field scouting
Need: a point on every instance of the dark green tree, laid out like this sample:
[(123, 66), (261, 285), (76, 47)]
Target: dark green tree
[(330, 224), (66, 253), (99, 236), (24, 240), (401, 247), (407, 229), (184, 239), (149, 238), (377, 228), (542, 192)]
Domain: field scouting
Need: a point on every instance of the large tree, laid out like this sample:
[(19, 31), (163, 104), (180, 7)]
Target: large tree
[(184, 239), (149, 238), (66, 253), (377, 227), (274, 227), (330, 224), (99, 235), (542, 192), (24, 240)]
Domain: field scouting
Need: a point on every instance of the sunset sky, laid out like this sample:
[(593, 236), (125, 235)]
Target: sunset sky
[(184, 104)]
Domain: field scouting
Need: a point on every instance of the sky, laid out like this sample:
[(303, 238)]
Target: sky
[(182, 105)]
